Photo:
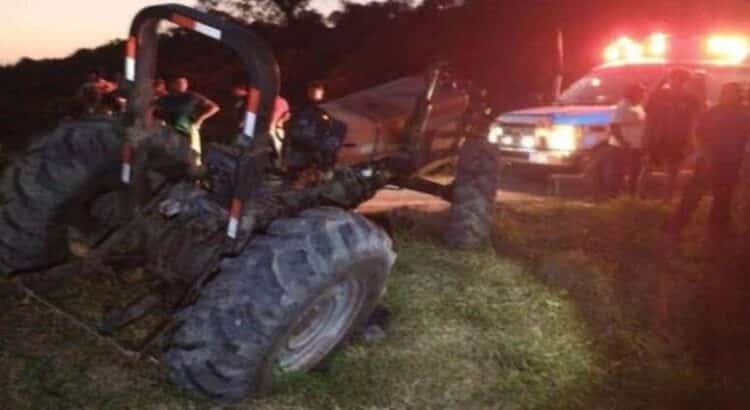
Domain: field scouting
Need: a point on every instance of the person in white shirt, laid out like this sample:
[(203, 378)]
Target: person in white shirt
[(628, 125)]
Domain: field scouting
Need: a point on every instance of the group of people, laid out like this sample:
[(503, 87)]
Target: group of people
[(181, 108), (671, 127), (658, 133), (185, 110)]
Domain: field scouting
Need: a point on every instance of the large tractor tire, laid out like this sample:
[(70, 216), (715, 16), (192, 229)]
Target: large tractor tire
[(41, 188), (475, 187), (290, 298)]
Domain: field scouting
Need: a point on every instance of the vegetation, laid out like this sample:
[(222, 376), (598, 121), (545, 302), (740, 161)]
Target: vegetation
[(574, 311), (507, 46), (272, 11), (672, 326), (465, 332)]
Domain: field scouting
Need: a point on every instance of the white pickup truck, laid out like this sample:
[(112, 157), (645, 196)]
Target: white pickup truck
[(560, 135)]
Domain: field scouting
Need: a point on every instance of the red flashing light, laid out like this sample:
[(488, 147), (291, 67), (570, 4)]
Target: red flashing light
[(726, 48), (623, 48), (730, 48), (611, 53), (657, 45)]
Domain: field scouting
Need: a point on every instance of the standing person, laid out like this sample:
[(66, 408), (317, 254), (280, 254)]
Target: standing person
[(671, 114), (185, 110), (628, 126), (160, 88), (280, 114), (722, 135), (117, 98), (91, 93)]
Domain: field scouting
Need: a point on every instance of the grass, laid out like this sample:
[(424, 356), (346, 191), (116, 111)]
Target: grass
[(573, 308), (673, 329), (466, 331)]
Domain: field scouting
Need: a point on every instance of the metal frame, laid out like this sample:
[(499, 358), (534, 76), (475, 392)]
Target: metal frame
[(263, 81), (141, 56)]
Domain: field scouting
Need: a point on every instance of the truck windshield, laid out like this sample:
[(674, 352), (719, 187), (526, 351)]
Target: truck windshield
[(605, 86)]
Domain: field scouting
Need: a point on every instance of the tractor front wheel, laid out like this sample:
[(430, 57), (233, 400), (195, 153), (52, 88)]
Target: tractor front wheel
[(475, 187), (65, 182), (282, 305)]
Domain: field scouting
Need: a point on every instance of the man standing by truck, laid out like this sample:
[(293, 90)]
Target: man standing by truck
[(671, 114), (722, 133), (627, 138)]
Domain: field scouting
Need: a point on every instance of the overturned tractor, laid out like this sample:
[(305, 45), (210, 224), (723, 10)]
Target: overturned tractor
[(252, 266)]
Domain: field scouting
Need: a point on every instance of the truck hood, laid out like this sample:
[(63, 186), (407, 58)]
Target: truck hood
[(560, 114)]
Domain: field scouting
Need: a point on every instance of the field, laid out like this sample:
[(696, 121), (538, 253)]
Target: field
[(572, 307)]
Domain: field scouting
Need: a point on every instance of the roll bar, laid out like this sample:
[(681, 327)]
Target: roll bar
[(142, 49)]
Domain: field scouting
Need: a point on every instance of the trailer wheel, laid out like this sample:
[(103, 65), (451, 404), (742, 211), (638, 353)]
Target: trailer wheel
[(294, 294), (41, 187), (475, 187)]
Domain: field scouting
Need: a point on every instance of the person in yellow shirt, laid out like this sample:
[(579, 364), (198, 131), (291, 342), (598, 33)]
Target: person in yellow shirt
[(185, 111)]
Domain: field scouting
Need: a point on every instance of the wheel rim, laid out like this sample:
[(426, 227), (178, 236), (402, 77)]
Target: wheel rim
[(322, 326)]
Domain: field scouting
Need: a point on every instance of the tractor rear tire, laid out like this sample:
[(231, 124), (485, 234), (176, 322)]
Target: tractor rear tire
[(290, 298), (473, 202), (40, 187)]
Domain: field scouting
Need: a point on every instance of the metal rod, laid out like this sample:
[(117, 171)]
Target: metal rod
[(157, 333), (81, 324), (137, 309)]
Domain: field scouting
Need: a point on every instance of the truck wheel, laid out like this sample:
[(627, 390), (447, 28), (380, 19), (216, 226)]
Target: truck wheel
[(282, 305), (40, 189), (475, 187)]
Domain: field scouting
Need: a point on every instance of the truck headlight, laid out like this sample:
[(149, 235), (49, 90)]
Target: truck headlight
[(528, 141), (562, 137), (495, 133)]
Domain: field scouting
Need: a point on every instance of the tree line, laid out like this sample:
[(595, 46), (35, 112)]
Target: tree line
[(508, 46)]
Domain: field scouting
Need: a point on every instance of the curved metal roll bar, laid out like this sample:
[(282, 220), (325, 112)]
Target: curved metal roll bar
[(140, 67), (142, 49)]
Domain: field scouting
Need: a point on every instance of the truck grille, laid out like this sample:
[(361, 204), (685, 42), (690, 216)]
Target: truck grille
[(515, 132), (514, 154)]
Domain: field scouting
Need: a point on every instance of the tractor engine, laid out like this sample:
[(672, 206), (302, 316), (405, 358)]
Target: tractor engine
[(312, 140), (188, 233)]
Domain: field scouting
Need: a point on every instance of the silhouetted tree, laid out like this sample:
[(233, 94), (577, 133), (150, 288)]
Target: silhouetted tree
[(506, 45), (270, 11)]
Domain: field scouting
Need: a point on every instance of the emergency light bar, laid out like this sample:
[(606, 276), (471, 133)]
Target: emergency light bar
[(723, 48), (626, 48), (731, 48)]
